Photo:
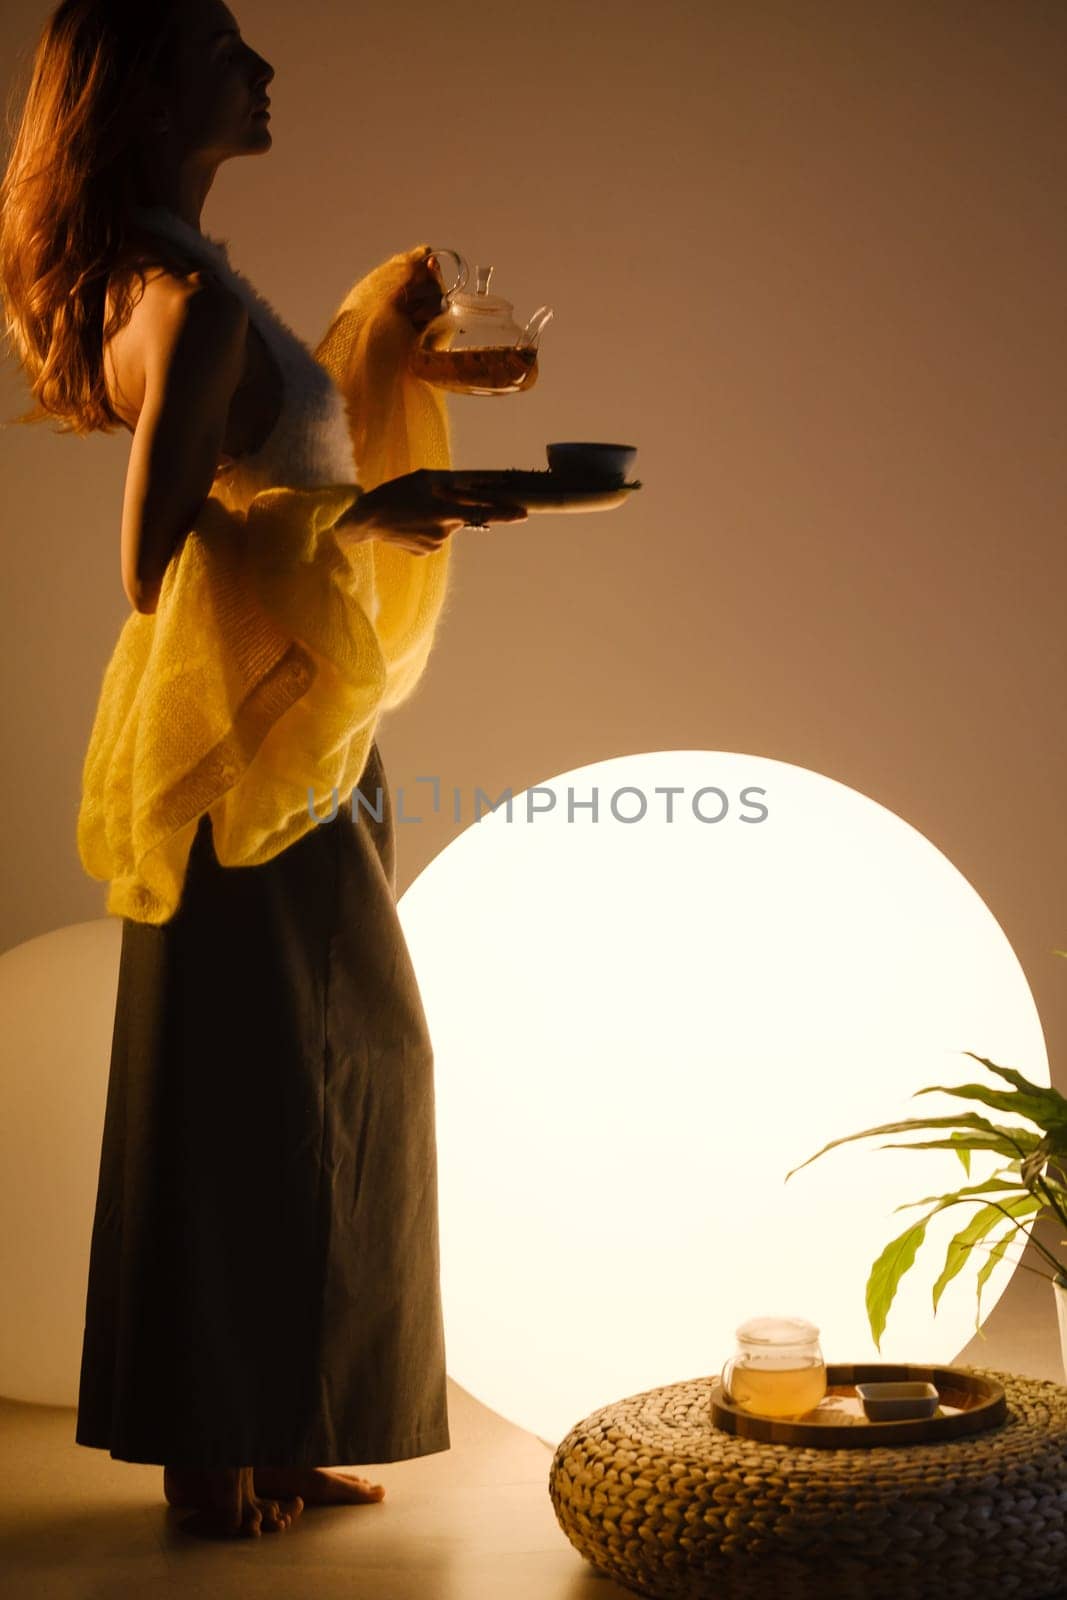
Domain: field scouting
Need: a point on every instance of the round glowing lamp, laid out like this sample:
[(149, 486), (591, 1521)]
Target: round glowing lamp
[(655, 985)]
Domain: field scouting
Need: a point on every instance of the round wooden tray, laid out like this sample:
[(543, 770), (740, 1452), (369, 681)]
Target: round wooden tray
[(969, 1404), (544, 491)]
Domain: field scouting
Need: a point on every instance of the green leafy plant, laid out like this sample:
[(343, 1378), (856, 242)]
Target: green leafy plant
[(1029, 1189)]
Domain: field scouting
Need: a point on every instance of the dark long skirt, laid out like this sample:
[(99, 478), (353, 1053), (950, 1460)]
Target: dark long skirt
[(264, 1272)]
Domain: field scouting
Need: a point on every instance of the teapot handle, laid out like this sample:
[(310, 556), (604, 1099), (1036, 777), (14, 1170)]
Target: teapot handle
[(463, 270)]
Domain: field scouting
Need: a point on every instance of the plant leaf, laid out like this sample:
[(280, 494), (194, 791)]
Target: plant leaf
[(983, 1222), (991, 1186), (962, 1151), (1010, 1142), (996, 1254), (961, 1122), (1048, 1109), (1035, 1163), (1010, 1075), (886, 1273)]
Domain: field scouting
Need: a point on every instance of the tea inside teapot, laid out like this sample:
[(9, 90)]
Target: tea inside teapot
[(477, 369)]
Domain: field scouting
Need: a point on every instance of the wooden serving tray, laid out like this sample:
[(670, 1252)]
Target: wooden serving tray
[(544, 491), (969, 1404)]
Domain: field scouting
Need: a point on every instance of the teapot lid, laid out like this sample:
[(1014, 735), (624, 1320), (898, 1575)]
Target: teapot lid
[(481, 299)]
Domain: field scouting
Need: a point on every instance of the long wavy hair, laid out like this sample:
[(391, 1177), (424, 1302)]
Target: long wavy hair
[(65, 200)]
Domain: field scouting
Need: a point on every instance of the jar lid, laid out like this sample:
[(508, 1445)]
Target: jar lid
[(777, 1330)]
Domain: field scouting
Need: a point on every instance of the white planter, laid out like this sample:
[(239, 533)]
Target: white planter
[(1059, 1289)]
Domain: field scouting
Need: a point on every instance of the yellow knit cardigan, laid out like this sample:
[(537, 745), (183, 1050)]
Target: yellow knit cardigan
[(254, 690)]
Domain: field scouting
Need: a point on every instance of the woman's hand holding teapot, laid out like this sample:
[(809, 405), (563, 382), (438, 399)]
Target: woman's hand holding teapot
[(420, 510), (422, 297)]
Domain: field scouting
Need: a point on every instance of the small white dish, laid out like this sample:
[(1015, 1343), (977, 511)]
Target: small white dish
[(895, 1402)]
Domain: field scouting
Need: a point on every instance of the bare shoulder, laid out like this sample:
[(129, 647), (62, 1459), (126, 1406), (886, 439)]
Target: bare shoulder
[(165, 298), (174, 313)]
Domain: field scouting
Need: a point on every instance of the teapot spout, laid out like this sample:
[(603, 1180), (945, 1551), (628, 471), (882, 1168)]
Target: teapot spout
[(534, 328)]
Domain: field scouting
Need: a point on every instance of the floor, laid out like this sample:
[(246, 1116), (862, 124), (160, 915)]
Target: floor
[(471, 1523)]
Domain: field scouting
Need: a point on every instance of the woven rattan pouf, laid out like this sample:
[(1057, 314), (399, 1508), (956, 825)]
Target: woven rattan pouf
[(658, 1498)]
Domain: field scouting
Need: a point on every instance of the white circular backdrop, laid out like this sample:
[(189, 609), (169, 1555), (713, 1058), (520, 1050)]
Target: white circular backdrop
[(641, 1026)]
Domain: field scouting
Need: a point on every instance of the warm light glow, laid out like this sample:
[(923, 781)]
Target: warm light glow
[(57, 1013), (640, 1027)]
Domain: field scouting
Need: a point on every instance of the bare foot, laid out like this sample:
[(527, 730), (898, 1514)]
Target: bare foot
[(317, 1486), (227, 1505)]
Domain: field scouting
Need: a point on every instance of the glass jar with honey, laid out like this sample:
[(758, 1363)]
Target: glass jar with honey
[(777, 1369), (475, 346)]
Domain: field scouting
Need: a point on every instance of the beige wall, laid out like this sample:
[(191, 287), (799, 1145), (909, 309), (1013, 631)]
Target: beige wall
[(810, 258)]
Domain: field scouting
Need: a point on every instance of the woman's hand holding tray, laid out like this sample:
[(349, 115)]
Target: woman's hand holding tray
[(541, 491)]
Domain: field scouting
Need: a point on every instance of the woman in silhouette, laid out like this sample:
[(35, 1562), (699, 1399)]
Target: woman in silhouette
[(263, 1296)]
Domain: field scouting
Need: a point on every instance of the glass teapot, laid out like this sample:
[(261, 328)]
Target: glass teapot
[(475, 346)]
